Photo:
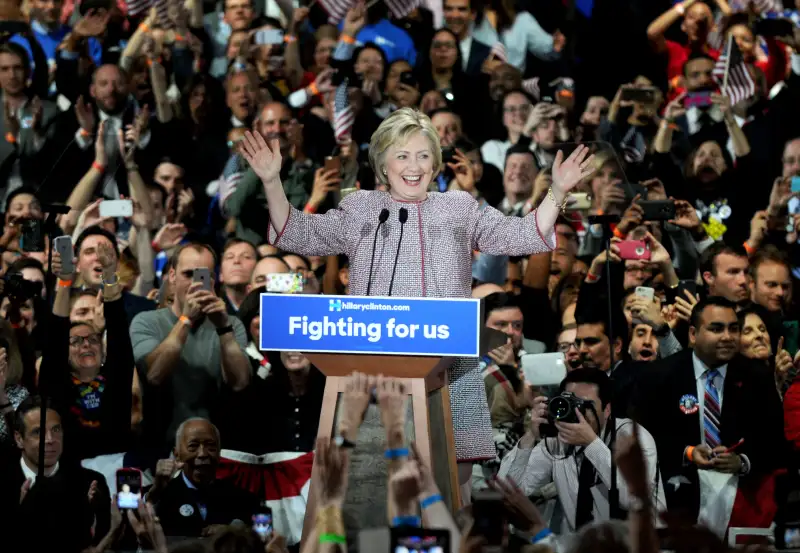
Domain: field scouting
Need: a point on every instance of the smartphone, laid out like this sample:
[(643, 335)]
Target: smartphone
[(658, 210), (262, 522), (490, 519), (686, 286), (407, 78), (418, 540), (773, 27), (544, 369), (579, 201), (633, 249), (645, 292), (698, 99), (31, 237), (795, 185), (203, 276), (129, 488), (448, 154), (63, 245), (643, 95), (333, 163), (285, 283), (269, 36), (116, 208)]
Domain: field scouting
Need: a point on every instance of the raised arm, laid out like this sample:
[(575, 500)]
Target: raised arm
[(497, 234), (289, 228), (656, 29)]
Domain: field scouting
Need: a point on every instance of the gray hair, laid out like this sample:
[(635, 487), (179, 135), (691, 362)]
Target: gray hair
[(182, 428)]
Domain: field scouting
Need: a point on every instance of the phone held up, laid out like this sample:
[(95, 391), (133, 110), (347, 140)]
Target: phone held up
[(262, 522), (203, 276), (285, 283), (490, 519), (633, 250), (129, 488)]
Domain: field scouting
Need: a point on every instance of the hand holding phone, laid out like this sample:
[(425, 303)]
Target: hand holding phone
[(203, 276), (262, 522), (633, 250), (63, 245), (116, 208), (129, 488)]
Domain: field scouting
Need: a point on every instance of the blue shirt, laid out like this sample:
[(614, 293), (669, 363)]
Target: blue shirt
[(394, 41), (49, 41)]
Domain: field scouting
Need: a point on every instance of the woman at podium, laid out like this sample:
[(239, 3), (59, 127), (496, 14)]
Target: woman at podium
[(424, 241)]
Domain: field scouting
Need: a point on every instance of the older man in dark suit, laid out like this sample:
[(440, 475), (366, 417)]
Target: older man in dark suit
[(194, 502), (710, 409)]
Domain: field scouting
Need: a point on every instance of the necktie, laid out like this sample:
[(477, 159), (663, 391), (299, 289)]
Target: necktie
[(711, 411), (583, 510)]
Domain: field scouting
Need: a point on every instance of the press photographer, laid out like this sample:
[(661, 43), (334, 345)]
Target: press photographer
[(569, 444)]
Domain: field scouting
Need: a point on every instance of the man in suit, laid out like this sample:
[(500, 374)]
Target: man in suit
[(194, 503), (67, 510), (459, 17), (26, 126), (702, 401)]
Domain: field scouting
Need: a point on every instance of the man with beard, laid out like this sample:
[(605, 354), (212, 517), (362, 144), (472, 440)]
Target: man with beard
[(459, 17), (195, 503), (114, 105), (248, 204)]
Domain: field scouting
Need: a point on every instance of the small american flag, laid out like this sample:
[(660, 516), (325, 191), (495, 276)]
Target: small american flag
[(767, 6), (232, 173), (343, 115), (499, 51), (336, 9), (531, 86), (401, 8), (739, 84), (136, 7)]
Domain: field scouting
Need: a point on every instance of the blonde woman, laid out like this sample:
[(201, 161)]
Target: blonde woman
[(440, 235)]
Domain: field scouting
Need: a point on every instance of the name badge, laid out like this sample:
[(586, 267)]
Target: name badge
[(689, 404)]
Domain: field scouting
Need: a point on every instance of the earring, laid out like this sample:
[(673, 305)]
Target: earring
[(384, 172)]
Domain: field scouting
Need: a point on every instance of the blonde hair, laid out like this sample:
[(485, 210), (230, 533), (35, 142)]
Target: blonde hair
[(397, 129)]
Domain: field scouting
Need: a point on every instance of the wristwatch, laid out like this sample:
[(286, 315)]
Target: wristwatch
[(637, 504), (224, 330), (343, 442)]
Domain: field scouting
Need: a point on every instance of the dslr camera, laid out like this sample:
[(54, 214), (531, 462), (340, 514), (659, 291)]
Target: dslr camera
[(561, 408), (19, 289)]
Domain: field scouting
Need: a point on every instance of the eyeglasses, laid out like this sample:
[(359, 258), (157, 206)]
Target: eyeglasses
[(443, 44), (564, 347), (91, 339), (521, 108)]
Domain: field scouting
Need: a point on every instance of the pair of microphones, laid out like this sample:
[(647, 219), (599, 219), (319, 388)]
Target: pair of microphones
[(402, 216)]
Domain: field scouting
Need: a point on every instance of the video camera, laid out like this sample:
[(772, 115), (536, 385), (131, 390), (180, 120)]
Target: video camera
[(561, 408)]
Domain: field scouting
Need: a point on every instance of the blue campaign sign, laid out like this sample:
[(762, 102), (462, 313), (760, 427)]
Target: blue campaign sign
[(356, 324)]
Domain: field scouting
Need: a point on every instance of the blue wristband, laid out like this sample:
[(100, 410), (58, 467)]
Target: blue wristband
[(541, 535), (428, 501), (392, 454), (412, 521)]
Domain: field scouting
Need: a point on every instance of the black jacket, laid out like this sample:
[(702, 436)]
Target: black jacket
[(179, 506), (751, 409)]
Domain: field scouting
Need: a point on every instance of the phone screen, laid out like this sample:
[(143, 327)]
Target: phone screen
[(698, 99), (31, 236), (489, 515), (419, 540), (262, 523), (129, 488), (203, 276)]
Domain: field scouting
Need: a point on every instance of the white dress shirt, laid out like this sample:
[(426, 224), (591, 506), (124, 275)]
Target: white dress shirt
[(533, 469), (466, 47), (31, 474)]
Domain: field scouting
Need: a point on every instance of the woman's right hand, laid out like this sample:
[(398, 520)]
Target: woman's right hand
[(100, 146), (265, 159)]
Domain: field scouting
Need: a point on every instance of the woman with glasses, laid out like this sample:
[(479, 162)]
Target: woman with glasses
[(517, 106), (91, 385)]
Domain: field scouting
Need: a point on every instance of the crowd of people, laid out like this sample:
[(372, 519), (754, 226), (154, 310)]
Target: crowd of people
[(647, 235)]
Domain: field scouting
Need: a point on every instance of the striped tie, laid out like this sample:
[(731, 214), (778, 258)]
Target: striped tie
[(711, 411)]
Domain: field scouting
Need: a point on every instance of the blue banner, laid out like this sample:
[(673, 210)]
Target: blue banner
[(355, 324)]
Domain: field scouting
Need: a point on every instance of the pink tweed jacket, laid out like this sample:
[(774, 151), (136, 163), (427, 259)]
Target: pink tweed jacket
[(435, 260)]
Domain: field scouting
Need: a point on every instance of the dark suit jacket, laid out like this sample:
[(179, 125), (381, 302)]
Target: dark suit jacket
[(751, 409), (478, 53), (56, 514), (179, 511)]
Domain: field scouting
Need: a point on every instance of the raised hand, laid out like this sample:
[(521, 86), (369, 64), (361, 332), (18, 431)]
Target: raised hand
[(355, 401), (169, 236), (265, 159), (392, 401), (10, 119), (36, 113), (630, 460), (568, 173), (84, 115), (334, 465), (94, 23), (354, 20), (147, 527), (462, 168), (324, 182), (100, 156), (99, 317)]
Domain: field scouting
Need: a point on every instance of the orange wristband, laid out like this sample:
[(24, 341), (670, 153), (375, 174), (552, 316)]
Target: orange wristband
[(64, 283), (347, 39), (98, 167), (690, 453), (310, 209), (84, 133), (314, 89), (185, 320), (10, 138), (619, 234), (179, 38), (748, 248), (591, 278), (144, 27), (288, 39)]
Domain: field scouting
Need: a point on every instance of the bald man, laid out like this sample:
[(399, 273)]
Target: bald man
[(188, 497), (482, 290)]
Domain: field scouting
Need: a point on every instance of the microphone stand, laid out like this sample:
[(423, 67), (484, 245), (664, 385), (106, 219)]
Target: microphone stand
[(51, 230), (605, 221)]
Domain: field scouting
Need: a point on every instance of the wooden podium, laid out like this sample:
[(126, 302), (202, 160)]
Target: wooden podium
[(412, 339), (425, 380)]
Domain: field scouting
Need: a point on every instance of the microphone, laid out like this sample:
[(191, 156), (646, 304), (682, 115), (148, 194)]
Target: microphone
[(381, 219), (403, 216)]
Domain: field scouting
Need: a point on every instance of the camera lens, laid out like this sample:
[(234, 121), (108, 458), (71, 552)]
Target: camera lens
[(559, 408)]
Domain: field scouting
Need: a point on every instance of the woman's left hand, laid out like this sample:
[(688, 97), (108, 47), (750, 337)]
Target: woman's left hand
[(783, 363), (567, 173)]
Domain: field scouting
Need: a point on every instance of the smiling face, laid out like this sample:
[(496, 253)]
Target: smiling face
[(199, 448), (409, 168), (295, 361), (85, 350)]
